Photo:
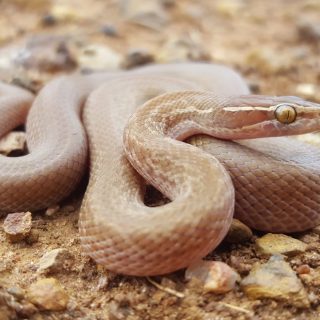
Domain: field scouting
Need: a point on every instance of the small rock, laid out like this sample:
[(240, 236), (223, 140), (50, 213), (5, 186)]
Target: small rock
[(275, 279), (21, 79), (17, 226), (7, 310), (103, 283), (109, 30), (183, 49), (240, 264), (312, 259), (309, 31), (52, 210), (303, 269), (313, 277), (27, 309), (48, 294), (116, 312), (306, 90), (238, 232), (229, 8), (168, 3), (67, 13), (17, 292), (313, 298), (149, 14), (311, 239), (49, 20), (13, 144), (46, 54), (216, 276), (268, 61), (136, 58), (280, 243), (97, 57), (57, 260), (33, 237), (10, 304), (255, 87)]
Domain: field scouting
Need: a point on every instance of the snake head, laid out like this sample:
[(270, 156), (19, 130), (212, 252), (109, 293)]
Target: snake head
[(257, 116)]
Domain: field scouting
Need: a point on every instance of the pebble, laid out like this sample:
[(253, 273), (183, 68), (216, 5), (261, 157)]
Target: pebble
[(48, 20), (309, 31), (240, 264), (103, 283), (268, 61), (306, 90), (22, 79), (229, 8), (17, 226), (46, 53), (150, 14), (52, 210), (109, 30), (55, 261), (275, 279), (13, 144), (303, 269), (168, 3), (312, 278), (216, 276), (238, 232), (12, 303), (137, 57), (178, 49), (48, 294), (280, 243), (311, 239), (312, 259), (255, 87), (66, 13), (7, 310), (98, 57), (17, 292)]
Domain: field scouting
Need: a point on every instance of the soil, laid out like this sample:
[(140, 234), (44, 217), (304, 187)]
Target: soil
[(274, 44)]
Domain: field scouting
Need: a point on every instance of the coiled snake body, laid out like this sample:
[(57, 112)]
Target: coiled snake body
[(276, 180)]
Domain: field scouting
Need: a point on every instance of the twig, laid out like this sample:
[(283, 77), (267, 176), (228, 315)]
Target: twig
[(231, 306), (168, 290)]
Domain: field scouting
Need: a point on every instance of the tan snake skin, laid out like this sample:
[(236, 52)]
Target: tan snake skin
[(276, 179)]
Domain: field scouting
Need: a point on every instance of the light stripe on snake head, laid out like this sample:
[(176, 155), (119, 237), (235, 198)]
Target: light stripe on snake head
[(261, 116)]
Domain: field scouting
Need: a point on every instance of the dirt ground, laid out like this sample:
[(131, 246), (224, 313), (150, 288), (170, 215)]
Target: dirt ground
[(274, 44)]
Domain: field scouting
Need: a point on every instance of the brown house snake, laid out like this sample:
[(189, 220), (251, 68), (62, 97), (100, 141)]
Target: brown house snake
[(276, 180)]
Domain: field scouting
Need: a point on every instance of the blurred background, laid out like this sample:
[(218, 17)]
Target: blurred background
[(275, 44)]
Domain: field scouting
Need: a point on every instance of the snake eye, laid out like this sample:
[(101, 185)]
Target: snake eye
[(285, 113)]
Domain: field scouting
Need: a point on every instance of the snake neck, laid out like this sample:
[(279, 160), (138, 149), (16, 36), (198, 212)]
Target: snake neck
[(184, 114)]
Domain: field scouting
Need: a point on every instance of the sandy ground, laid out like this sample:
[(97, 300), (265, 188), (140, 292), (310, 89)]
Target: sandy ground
[(274, 44)]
